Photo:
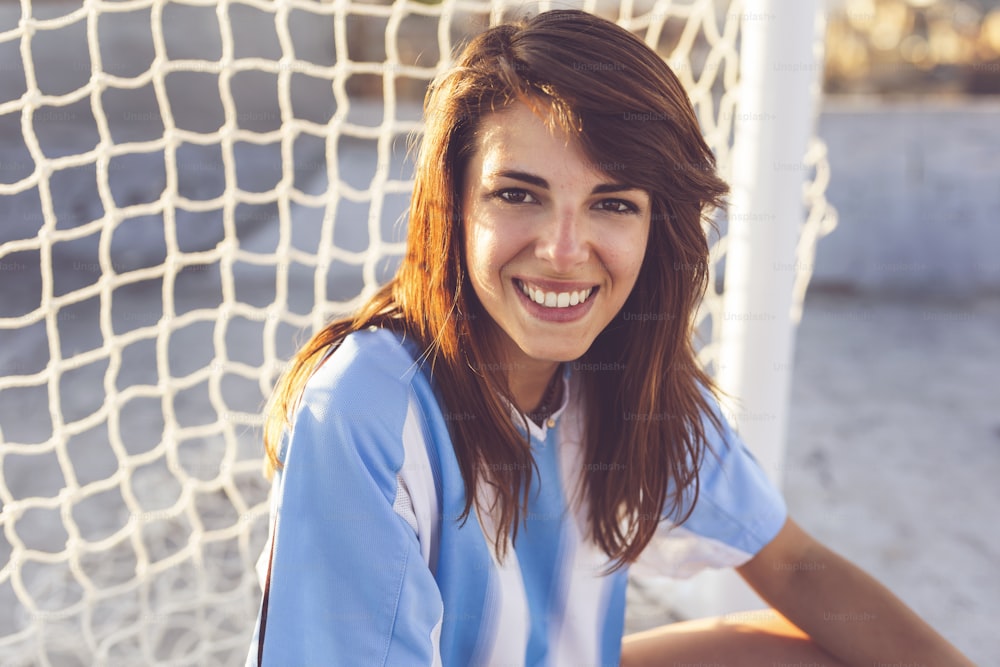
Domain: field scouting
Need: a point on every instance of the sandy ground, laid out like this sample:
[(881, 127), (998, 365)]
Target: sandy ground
[(894, 451)]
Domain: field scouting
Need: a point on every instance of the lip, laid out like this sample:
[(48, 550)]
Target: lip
[(558, 315)]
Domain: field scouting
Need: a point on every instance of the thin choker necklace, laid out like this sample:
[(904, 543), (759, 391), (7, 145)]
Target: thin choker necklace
[(549, 400)]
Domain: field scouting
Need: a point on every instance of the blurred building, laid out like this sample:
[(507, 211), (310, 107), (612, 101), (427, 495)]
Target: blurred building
[(911, 118), (893, 47)]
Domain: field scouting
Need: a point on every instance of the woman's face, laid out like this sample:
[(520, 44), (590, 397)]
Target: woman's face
[(553, 243)]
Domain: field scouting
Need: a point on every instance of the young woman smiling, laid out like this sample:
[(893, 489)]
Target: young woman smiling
[(467, 466)]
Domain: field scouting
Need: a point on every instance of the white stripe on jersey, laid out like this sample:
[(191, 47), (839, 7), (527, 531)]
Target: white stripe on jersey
[(416, 501), (419, 479), (578, 635), (510, 629)]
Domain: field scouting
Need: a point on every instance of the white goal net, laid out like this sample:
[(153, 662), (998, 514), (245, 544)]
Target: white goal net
[(188, 188)]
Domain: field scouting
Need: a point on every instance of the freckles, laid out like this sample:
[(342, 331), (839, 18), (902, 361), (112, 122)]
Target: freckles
[(623, 257), (621, 253)]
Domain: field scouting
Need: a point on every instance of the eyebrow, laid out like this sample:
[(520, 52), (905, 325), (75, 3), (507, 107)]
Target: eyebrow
[(600, 188)]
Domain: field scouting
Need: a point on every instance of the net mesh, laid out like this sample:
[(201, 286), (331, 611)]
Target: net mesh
[(188, 189)]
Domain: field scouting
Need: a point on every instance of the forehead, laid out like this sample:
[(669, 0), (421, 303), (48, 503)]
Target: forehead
[(520, 137)]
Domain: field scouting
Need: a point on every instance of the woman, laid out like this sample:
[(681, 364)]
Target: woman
[(468, 465)]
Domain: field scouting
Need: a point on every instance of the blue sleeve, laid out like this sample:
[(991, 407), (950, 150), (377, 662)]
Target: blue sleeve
[(737, 503), (737, 513), (348, 584)]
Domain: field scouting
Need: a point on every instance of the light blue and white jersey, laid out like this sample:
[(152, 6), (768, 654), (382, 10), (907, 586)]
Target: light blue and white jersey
[(370, 566)]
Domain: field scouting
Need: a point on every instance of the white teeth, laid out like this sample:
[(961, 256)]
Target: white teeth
[(553, 299)]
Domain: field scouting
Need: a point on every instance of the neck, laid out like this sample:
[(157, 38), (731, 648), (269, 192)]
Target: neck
[(529, 382)]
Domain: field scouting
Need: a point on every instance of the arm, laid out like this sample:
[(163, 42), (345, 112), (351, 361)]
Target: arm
[(842, 608)]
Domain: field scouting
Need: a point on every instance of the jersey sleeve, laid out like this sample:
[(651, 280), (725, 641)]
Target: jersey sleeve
[(738, 511), (348, 584)]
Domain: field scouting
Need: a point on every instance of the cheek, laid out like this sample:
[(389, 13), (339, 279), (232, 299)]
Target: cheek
[(626, 252), (481, 259), (487, 251), (477, 248)]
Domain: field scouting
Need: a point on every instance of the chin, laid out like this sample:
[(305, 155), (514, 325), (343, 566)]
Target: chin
[(554, 354)]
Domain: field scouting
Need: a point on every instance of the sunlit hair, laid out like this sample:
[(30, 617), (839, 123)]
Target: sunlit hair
[(601, 84)]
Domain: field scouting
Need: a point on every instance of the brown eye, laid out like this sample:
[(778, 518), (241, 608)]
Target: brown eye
[(617, 206), (515, 196)]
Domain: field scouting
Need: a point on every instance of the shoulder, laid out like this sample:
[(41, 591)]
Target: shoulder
[(370, 371), (360, 420), (354, 408)]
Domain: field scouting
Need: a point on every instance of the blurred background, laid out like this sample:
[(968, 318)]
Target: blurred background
[(111, 475), (895, 411), (909, 115), (894, 421)]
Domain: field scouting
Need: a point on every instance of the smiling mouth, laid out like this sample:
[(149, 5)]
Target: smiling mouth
[(550, 299)]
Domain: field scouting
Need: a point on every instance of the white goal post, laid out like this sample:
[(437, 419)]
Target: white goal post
[(190, 187)]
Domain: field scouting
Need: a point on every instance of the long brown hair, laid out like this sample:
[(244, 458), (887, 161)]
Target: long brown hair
[(645, 415)]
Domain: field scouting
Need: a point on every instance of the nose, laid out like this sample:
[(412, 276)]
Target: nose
[(563, 242)]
